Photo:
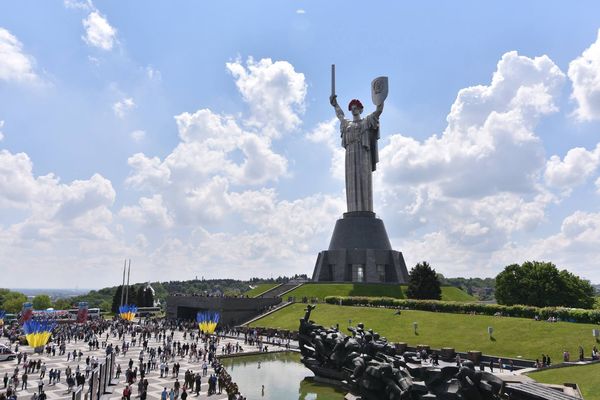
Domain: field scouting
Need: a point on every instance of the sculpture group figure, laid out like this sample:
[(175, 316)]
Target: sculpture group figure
[(369, 366)]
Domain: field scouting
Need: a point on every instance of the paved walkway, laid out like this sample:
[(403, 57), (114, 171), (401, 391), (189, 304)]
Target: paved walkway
[(155, 383)]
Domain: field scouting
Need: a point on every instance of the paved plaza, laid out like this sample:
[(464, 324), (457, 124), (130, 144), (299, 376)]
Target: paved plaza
[(156, 383)]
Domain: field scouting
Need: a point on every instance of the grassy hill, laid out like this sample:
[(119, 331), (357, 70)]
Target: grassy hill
[(322, 290), (451, 293), (513, 337), (260, 289), (586, 376)]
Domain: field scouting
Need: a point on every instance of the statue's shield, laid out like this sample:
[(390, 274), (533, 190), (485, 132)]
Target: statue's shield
[(379, 90)]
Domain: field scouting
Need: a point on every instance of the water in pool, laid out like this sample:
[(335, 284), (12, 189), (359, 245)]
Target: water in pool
[(283, 376)]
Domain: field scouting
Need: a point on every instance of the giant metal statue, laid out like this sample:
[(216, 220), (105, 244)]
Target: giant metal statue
[(360, 250), (359, 138)]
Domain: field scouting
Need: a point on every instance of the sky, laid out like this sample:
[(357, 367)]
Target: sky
[(197, 138)]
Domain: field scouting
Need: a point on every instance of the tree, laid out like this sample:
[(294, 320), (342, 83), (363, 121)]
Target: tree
[(131, 297), (116, 300), (41, 302), (423, 283), (145, 297), (13, 302), (63, 304), (577, 292), (3, 294), (541, 284), (105, 305)]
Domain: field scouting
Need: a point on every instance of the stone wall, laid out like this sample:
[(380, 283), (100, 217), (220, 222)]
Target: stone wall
[(233, 310)]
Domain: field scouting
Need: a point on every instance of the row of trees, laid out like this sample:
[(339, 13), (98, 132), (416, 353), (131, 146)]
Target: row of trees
[(141, 297), (541, 284), (533, 283), (12, 302)]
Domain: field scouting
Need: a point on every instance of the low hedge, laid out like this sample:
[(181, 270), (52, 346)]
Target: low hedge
[(564, 314)]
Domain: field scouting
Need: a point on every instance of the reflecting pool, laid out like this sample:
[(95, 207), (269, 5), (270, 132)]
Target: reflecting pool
[(283, 376)]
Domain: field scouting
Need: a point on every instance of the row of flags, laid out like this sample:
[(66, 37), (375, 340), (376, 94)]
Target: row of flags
[(38, 331)]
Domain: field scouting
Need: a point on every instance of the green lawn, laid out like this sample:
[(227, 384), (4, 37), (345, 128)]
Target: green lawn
[(451, 293), (260, 289), (513, 337), (586, 376), (322, 290)]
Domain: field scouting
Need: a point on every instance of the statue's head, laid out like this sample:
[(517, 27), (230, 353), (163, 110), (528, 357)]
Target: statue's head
[(355, 107)]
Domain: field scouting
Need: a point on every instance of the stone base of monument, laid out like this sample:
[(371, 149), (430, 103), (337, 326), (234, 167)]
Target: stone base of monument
[(360, 251)]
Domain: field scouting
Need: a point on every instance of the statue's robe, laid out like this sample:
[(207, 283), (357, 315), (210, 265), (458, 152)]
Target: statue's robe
[(359, 138)]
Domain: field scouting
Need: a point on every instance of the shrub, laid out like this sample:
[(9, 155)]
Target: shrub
[(565, 314)]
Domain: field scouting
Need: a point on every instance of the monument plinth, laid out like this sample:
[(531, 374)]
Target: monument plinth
[(360, 250)]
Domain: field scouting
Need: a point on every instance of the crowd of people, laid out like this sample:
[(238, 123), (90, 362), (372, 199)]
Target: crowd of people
[(595, 354), (152, 349)]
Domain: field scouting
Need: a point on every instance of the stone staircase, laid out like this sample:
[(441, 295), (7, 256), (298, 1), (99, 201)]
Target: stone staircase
[(281, 290), (270, 311)]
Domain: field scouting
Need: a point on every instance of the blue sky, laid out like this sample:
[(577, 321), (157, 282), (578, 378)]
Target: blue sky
[(197, 138)]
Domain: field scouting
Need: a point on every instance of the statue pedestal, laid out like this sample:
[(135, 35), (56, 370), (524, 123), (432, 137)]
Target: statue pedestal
[(360, 252)]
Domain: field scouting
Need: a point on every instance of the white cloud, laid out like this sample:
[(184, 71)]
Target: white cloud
[(138, 135), (1, 134), (208, 180), (575, 169), (151, 211), (274, 91), (85, 5), (147, 172), (15, 64), (584, 73), (475, 186), (53, 206), (327, 133), (300, 11), (98, 32), (488, 145), (123, 106), (574, 247), (213, 144), (49, 225)]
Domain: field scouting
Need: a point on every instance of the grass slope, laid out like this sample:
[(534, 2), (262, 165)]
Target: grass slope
[(513, 337), (586, 376), (322, 290), (452, 293), (260, 289)]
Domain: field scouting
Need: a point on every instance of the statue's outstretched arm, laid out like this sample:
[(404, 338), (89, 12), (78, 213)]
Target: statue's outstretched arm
[(338, 110), (378, 110)]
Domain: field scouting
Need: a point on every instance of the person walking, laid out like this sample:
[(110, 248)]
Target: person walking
[(24, 381), (127, 392), (198, 382)]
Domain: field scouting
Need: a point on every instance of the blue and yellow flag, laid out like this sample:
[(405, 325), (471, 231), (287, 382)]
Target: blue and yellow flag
[(207, 321), (37, 333), (127, 312)]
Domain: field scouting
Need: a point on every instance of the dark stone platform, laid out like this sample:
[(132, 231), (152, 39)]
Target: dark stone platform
[(360, 251)]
